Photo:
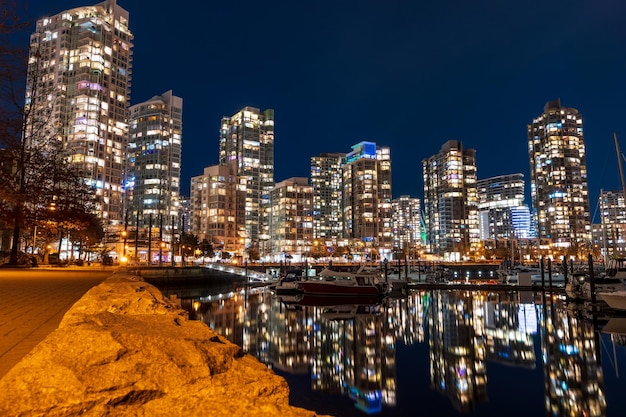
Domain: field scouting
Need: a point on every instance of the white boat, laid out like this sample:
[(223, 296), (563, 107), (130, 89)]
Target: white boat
[(580, 288), (511, 275), (289, 284), (612, 279), (359, 283), (616, 268), (616, 299)]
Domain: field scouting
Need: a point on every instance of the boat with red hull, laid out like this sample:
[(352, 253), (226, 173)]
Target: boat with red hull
[(338, 283)]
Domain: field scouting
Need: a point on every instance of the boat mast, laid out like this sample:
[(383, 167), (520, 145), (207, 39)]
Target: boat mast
[(603, 224), (619, 164)]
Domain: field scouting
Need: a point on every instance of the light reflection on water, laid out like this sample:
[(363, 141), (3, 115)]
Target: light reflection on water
[(473, 353)]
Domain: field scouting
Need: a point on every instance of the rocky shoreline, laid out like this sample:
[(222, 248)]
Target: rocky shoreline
[(125, 350)]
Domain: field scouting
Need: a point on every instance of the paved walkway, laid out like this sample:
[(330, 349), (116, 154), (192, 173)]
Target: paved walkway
[(33, 302)]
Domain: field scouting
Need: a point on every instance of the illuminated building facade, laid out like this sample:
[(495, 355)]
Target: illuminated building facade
[(247, 140), (291, 225), (612, 231), (184, 214), (498, 201), (406, 218), (451, 201), (367, 197), (558, 171), (522, 224), (79, 73), (154, 157), (326, 179), (217, 206)]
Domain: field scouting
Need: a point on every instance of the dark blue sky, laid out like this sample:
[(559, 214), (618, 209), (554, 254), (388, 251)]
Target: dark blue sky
[(405, 74)]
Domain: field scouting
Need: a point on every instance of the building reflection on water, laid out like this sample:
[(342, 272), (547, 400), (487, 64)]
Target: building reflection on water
[(574, 383), (457, 347), (351, 349)]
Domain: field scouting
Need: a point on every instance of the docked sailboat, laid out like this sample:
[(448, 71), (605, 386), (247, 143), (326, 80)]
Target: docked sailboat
[(616, 299), (614, 279)]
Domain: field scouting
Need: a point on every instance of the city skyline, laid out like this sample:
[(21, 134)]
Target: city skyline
[(410, 78)]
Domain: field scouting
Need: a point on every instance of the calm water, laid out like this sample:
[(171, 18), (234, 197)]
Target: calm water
[(431, 353)]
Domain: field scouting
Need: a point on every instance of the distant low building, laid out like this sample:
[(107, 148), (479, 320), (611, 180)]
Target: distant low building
[(217, 206), (502, 213)]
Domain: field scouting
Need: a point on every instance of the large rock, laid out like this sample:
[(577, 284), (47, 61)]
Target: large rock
[(125, 350)]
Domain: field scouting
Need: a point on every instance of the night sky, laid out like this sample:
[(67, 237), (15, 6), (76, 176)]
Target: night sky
[(410, 75)]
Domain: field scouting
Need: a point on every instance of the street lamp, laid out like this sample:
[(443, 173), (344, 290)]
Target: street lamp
[(123, 258), (124, 235)]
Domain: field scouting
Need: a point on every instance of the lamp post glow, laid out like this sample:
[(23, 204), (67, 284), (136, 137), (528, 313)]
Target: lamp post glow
[(124, 235)]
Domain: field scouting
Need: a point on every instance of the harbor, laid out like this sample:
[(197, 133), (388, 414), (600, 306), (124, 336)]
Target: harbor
[(311, 342), (505, 324)]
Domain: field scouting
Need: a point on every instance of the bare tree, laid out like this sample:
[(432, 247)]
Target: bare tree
[(15, 155), (38, 186)]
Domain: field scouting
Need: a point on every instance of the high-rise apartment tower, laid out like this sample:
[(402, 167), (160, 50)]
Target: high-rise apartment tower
[(451, 202), (154, 157), (407, 215), (247, 140), (79, 73), (612, 236), (326, 179), (558, 174), (367, 197), (291, 220)]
